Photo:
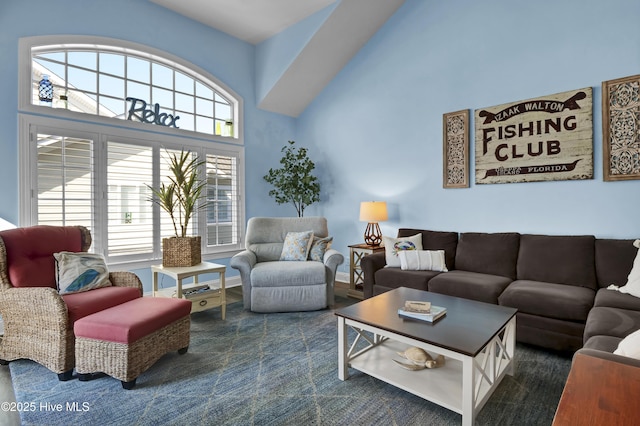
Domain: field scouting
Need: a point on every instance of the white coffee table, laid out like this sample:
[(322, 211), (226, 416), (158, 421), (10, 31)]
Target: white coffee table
[(477, 340)]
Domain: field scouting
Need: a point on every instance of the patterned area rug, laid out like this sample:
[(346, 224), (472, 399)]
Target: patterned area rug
[(273, 369)]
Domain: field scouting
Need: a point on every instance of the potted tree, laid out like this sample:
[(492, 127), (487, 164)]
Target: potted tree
[(179, 198), (294, 182)]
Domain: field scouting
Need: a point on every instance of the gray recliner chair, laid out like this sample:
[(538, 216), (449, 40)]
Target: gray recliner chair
[(272, 285)]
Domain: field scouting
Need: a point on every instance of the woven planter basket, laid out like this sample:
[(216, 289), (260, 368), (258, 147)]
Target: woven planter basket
[(181, 251)]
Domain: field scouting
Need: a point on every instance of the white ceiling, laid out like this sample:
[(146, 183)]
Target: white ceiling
[(250, 20)]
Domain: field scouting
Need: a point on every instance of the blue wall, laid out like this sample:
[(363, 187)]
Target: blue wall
[(375, 132), (380, 120)]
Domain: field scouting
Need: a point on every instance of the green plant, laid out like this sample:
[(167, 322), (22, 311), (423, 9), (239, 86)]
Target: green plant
[(294, 182), (180, 197)]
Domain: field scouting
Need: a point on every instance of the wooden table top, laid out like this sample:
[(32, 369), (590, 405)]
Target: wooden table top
[(465, 328), (599, 392)]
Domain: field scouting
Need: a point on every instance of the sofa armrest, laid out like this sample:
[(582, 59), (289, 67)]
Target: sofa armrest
[(244, 262), (332, 259), (609, 356), (369, 265)]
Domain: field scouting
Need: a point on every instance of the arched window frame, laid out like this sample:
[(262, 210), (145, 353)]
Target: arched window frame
[(28, 45)]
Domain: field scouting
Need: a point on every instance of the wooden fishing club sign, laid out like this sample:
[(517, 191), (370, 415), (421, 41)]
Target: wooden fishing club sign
[(541, 139)]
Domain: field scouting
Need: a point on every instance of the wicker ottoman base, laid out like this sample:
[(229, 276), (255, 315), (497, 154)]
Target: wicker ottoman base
[(126, 362)]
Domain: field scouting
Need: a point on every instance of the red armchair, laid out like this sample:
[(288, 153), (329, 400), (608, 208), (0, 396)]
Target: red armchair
[(38, 322)]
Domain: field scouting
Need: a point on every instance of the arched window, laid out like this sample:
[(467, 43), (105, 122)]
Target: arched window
[(127, 84), (95, 134)]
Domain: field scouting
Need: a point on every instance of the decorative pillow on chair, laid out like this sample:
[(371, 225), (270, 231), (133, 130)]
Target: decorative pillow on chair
[(296, 245), (76, 272), (394, 245), (632, 286), (319, 247), (422, 260), (629, 346)]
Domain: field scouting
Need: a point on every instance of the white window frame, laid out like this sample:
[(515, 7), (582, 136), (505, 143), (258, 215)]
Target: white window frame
[(100, 129), (26, 44)]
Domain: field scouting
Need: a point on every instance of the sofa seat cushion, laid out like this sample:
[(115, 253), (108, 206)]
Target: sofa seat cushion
[(614, 322), (470, 285), (564, 302), (284, 274), (79, 305), (395, 277), (615, 299), (133, 320)]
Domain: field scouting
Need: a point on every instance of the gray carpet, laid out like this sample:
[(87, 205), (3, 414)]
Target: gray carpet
[(275, 369)]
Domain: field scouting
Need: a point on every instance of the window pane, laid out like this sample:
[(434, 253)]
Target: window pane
[(130, 215), (204, 125), (185, 122), (82, 102), (111, 86), (223, 111), (184, 102), (83, 59), (184, 83), (54, 56), (204, 107), (137, 90), (51, 68), (162, 76), (221, 200), (203, 91), (82, 79), (162, 97), (112, 64), (138, 69), (111, 107)]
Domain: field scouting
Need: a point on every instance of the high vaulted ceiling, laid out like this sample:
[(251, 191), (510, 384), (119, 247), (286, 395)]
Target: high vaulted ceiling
[(348, 26), (250, 20)]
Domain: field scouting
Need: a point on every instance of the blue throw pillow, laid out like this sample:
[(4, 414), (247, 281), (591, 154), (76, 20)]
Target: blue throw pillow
[(318, 247), (76, 272), (296, 245)]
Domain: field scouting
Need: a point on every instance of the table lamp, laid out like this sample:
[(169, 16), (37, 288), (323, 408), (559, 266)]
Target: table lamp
[(373, 212)]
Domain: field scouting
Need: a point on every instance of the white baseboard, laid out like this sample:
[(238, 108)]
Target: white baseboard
[(342, 277)]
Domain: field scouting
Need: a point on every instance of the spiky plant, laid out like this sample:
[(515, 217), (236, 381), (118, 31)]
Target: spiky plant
[(180, 197)]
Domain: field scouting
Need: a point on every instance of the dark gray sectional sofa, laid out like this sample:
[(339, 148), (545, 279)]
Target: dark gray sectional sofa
[(557, 283)]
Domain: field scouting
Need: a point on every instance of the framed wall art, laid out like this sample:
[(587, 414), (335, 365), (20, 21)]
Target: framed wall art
[(455, 149), (546, 138), (621, 128)]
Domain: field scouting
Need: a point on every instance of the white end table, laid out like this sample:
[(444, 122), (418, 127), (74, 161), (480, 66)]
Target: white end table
[(201, 300)]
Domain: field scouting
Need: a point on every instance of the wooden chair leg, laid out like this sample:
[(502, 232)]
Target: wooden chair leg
[(183, 351), (67, 375), (129, 385)]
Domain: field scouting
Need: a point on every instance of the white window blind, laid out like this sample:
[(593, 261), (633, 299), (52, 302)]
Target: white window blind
[(222, 200), (64, 180)]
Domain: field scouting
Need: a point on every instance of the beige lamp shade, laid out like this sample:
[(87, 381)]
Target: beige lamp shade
[(373, 212)]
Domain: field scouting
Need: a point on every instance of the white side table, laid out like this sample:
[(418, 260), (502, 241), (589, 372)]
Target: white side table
[(200, 297)]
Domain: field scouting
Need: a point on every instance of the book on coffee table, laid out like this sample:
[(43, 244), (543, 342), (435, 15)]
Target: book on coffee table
[(434, 313)]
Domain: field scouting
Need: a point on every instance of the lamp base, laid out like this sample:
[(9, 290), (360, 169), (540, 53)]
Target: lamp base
[(373, 235)]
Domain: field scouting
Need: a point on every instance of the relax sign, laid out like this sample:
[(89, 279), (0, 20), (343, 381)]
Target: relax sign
[(547, 138), (139, 110)]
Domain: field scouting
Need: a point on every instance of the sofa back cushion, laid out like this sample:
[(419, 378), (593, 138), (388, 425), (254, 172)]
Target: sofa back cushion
[(558, 259), (488, 253), (614, 260), (435, 240), (30, 250), (265, 235)]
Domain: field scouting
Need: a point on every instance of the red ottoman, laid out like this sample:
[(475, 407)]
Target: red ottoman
[(127, 339)]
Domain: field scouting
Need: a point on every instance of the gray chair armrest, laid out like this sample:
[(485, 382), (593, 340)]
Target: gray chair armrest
[(332, 259), (244, 262)]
